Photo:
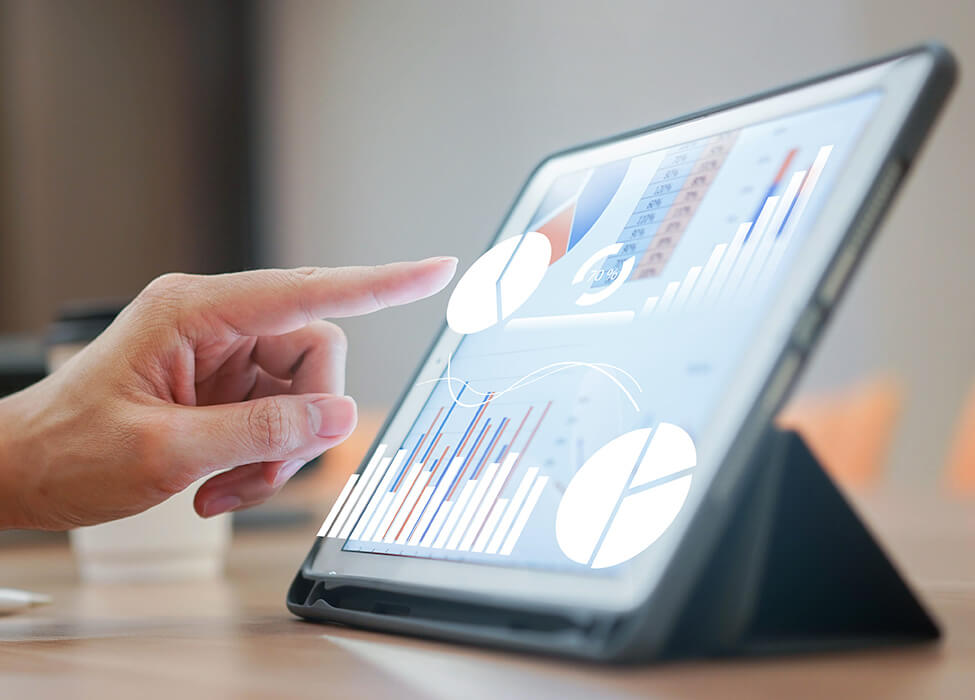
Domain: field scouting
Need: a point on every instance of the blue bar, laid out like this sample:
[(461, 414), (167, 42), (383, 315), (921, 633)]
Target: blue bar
[(466, 432), (490, 447), (487, 424), (442, 423), (771, 191), (788, 212)]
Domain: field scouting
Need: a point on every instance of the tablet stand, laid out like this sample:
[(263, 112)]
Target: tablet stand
[(795, 570)]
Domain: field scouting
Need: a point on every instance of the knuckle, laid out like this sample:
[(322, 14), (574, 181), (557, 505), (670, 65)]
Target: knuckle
[(167, 291), (169, 284), (270, 427), (333, 335), (305, 272), (299, 278)]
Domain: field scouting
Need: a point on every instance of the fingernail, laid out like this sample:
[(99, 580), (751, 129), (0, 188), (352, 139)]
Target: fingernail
[(332, 417), (287, 470), (443, 259), (219, 505)]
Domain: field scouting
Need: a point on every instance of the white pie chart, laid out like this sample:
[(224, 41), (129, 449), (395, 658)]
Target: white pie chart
[(625, 496), (498, 282)]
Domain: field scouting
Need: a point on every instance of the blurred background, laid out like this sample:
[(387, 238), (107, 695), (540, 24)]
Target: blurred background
[(140, 137)]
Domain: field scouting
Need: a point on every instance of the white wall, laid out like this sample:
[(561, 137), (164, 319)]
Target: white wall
[(402, 130)]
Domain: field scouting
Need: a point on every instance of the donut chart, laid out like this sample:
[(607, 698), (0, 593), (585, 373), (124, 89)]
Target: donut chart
[(625, 496)]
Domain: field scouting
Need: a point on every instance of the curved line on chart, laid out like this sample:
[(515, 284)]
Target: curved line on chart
[(545, 371), (535, 376)]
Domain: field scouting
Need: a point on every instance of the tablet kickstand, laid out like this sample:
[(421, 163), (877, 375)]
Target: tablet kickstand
[(797, 570)]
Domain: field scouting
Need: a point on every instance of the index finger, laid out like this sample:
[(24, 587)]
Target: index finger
[(273, 302)]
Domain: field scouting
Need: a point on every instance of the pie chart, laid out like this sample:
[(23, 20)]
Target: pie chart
[(625, 496), (574, 204), (498, 282)]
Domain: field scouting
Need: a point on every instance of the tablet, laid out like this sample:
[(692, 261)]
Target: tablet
[(583, 426)]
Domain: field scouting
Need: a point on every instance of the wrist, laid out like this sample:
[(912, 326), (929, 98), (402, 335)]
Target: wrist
[(12, 432)]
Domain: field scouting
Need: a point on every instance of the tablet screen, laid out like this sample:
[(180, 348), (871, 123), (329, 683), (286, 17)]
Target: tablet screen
[(590, 347)]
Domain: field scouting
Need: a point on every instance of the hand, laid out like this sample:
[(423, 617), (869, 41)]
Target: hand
[(199, 374)]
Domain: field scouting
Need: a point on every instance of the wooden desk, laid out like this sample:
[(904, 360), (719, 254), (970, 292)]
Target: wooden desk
[(234, 638)]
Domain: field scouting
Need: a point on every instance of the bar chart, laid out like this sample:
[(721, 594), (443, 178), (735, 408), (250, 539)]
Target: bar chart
[(473, 496), (737, 268)]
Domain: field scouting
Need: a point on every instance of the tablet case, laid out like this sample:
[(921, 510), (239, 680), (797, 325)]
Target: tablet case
[(796, 570)]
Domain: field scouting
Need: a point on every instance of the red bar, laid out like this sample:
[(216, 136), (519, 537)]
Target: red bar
[(529, 441), (525, 448), (477, 419), (407, 518), (520, 426), (463, 469), (785, 166), (434, 445), (494, 441), (429, 430)]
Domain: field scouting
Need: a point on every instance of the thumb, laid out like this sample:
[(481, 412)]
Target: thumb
[(265, 430)]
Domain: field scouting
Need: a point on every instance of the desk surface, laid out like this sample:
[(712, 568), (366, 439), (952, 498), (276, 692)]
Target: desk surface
[(234, 638)]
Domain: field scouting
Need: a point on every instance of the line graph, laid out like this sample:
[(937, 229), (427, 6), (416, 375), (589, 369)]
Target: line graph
[(536, 376)]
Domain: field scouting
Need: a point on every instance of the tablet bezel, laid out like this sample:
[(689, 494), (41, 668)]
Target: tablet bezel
[(753, 395)]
